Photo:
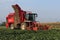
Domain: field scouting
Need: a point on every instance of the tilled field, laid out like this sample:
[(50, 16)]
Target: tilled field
[(7, 34)]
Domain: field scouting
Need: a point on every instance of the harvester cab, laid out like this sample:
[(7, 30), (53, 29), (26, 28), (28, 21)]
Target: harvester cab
[(31, 16)]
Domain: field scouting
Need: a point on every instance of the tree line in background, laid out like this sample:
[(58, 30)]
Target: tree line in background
[(2, 24)]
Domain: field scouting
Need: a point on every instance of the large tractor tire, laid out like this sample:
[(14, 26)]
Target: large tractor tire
[(11, 26), (23, 26)]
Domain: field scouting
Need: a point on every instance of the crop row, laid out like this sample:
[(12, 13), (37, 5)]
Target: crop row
[(29, 35)]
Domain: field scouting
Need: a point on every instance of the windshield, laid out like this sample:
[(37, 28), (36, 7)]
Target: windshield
[(31, 17)]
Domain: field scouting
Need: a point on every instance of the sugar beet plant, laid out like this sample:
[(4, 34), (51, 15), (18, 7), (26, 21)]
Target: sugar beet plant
[(29, 35)]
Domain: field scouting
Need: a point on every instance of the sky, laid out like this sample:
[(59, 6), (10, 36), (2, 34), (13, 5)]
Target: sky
[(47, 10)]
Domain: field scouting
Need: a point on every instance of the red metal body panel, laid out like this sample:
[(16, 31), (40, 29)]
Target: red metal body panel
[(7, 25), (10, 18), (22, 17)]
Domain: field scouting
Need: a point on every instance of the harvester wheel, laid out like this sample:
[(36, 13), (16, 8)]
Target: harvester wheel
[(23, 26), (11, 26)]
